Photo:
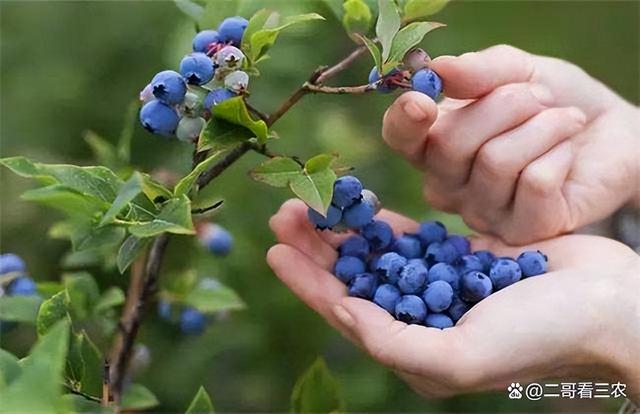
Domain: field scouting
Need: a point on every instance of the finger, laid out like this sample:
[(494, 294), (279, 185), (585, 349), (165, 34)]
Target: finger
[(406, 123), (475, 74), (457, 135), (500, 161)]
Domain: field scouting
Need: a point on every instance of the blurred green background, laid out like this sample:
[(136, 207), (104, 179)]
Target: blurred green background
[(72, 66)]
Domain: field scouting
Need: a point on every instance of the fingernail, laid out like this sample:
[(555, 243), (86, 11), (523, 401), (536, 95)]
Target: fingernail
[(343, 316), (443, 58), (578, 115), (415, 111), (542, 94)]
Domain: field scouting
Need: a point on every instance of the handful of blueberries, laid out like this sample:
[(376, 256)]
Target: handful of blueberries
[(428, 277)]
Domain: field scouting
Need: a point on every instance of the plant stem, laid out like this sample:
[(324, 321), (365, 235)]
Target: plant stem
[(340, 90)]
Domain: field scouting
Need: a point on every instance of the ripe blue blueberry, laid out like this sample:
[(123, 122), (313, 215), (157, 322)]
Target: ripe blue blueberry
[(363, 286), (410, 309), (358, 215), (427, 82), (461, 244), (387, 297), (378, 233), (203, 41), (217, 96), (413, 277), (197, 68), (169, 87), (159, 118), (370, 197), (431, 232), (347, 267), (389, 265), (346, 191), (164, 310), (232, 28), (438, 296), (469, 262), (355, 246), (458, 308), (444, 252), (475, 286), (192, 321), (486, 258), (22, 286), (504, 272), (216, 239), (10, 263), (444, 272), (334, 215), (418, 261), (532, 263), (408, 246), (438, 320), (383, 87), (189, 128)]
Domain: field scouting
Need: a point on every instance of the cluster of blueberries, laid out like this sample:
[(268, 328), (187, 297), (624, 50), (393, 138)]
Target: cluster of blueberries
[(428, 277), (14, 281), (416, 68), (179, 103)]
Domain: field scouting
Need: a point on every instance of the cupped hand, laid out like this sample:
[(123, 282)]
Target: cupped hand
[(525, 147), (580, 320)]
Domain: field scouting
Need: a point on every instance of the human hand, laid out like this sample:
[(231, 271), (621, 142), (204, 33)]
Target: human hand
[(581, 319), (525, 147)]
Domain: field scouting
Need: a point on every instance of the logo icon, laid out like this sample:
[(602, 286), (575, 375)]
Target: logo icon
[(515, 391)]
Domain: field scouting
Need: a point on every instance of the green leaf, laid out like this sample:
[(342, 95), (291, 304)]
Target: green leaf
[(235, 112), (79, 404), (99, 238), (201, 403), (127, 193), (418, 9), (374, 50), (357, 17), (85, 364), (316, 391), (51, 311), (175, 217), (9, 368), (19, 308), (315, 185), (185, 184), (66, 199), (112, 297), (190, 8), (83, 293), (154, 190), (37, 388), (410, 36), (214, 300), (222, 135), (49, 288), (103, 151), (130, 249), (256, 22), (388, 25), (276, 171), (137, 397)]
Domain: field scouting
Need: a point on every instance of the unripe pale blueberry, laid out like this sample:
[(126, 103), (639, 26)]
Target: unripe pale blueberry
[(355, 246), (408, 246), (427, 82), (370, 197), (504, 272), (358, 214), (237, 81), (159, 118), (438, 296), (374, 77), (347, 267), (192, 321), (387, 296), (209, 283), (191, 100), (475, 286), (169, 87), (378, 233), (334, 215), (204, 40), (363, 286), (189, 128), (346, 191), (232, 28), (228, 58), (141, 359), (410, 309), (438, 320), (416, 59), (22, 286), (532, 263), (146, 95), (413, 277), (10, 263), (164, 310), (217, 96), (197, 68)]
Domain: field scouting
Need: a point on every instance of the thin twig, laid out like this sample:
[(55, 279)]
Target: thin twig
[(342, 65), (223, 164), (82, 394), (256, 111), (208, 208), (341, 90)]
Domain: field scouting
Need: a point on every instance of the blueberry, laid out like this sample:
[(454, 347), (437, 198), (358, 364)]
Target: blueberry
[(413, 277), (469, 262), (386, 297), (458, 308), (378, 233), (461, 244), (504, 272), (431, 232), (237, 81), (22, 286), (418, 261), (189, 128), (444, 272), (532, 263), (416, 59), (475, 286), (203, 41), (410, 309), (438, 320), (164, 310), (438, 296), (358, 215), (192, 321), (363, 286), (146, 94), (444, 252), (217, 239), (10, 263), (383, 87), (197, 68), (159, 118), (389, 265), (232, 28), (408, 246), (427, 82), (334, 214), (228, 59), (372, 265), (169, 87), (370, 197), (486, 258), (346, 191), (347, 267), (217, 96), (355, 246)]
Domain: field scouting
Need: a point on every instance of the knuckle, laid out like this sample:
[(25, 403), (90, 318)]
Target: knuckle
[(537, 180), (493, 161)]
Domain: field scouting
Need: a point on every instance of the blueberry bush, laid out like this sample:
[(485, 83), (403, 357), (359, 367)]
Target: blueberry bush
[(87, 354)]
